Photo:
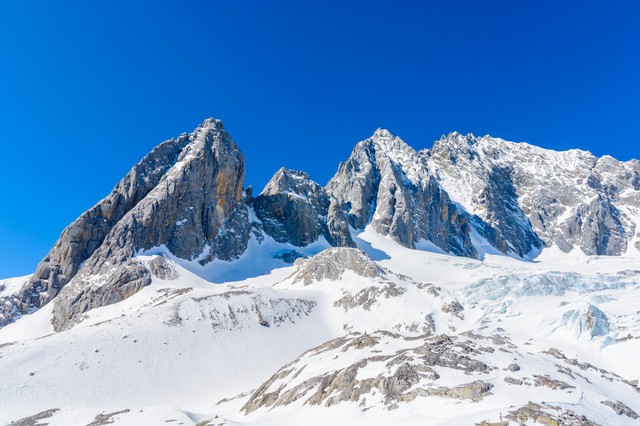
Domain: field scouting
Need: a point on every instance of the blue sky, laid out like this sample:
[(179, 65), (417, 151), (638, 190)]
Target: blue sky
[(88, 88)]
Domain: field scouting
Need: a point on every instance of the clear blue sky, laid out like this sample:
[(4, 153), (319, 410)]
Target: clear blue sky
[(87, 88)]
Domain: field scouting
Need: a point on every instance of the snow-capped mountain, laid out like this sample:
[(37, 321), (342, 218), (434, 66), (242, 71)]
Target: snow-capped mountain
[(476, 282), (528, 194), (386, 183)]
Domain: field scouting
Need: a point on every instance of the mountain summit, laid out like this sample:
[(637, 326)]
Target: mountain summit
[(186, 194)]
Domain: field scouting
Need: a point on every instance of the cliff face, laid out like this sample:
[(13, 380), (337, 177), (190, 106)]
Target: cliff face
[(529, 195), (87, 233), (386, 183), (186, 195), (295, 209)]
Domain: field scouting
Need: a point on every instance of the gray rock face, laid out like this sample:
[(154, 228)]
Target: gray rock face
[(506, 227), (162, 269), (355, 185), (621, 409), (83, 237), (292, 208), (186, 195), (386, 183), (528, 195), (337, 231), (368, 297)]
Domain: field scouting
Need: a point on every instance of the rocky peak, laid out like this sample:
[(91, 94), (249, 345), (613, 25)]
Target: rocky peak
[(386, 183), (454, 141), (386, 142), (208, 125), (292, 208), (188, 208), (381, 134), (525, 193), (386, 145), (292, 182)]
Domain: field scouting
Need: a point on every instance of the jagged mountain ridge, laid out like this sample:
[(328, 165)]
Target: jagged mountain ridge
[(571, 199), (459, 195), (385, 182), (391, 334)]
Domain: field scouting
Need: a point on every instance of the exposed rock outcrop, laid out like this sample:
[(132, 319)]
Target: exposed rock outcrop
[(621, 409), (386, 183), (186, 195), (545, 414), (35, 419), (528, 195), (238, 310), (332, 263), (385, 370), (87, 233), (405, 374)]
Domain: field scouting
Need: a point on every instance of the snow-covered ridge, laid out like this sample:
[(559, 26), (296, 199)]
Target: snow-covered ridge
[(565, 195), (401, 154)]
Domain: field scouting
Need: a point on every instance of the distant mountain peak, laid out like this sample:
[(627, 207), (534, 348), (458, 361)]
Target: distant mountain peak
[(381, 133), (288, 180), (383, 141), (211, 123), (457, 139), (297, 174)]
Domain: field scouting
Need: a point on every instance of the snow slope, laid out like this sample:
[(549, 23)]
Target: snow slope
[(178, 347)]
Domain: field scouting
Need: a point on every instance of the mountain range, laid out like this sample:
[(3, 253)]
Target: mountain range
[(479, 281)]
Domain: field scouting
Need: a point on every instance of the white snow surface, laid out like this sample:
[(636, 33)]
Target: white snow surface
[(12, 285), (174, 350)]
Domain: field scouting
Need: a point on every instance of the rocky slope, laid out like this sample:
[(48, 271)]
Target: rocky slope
[(386, 183), (568, 199), (186, 195), (383, 369)]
